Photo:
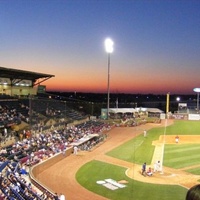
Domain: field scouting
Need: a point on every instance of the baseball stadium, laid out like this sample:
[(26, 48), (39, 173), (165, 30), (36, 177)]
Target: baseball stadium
[(51, 149)]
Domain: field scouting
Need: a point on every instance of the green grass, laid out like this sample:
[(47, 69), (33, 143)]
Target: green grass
[(184, 128), (140, 150), (94, 171), (181, 155), (130, 150), (194, 171)]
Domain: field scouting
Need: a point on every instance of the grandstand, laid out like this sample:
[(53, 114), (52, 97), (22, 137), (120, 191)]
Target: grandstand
[(36, 130), (14, 82)]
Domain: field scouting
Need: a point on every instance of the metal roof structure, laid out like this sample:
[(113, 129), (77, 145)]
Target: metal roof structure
[(16, 74), (133, 110)]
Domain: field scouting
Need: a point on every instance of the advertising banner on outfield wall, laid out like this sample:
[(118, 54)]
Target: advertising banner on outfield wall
[(193, 117), (162, 116)]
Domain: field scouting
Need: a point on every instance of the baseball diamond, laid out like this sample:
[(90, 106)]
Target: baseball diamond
[(62, 175)]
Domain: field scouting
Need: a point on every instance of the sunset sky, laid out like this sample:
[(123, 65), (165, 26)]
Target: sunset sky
[(156, 43)]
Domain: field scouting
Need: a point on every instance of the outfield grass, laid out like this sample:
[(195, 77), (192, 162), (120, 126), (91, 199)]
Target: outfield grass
[(140, 150), (194, 171), (184, 128), (182, 155)]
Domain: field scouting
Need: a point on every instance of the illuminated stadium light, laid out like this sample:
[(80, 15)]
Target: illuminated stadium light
[(5, 83), (109, 49), (25, 83), (197, 90), (109, 45), (22, 83)]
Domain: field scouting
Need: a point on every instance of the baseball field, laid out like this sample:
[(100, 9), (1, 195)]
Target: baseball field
[(112, 170)]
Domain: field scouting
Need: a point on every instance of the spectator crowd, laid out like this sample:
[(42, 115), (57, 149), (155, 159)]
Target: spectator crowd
[(31, 149)]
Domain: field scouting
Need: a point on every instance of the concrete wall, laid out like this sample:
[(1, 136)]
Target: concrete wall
[(40, 167)]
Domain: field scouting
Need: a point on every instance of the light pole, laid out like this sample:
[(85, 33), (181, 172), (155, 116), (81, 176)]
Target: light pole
[(197, 90), (178, 100), (167, 104), (109, 49)]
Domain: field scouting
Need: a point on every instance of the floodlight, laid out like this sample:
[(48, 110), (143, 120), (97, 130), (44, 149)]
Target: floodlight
[(109, 45)]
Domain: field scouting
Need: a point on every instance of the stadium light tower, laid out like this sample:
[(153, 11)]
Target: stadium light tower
[(178, 100), (109, 49), (197, 90)]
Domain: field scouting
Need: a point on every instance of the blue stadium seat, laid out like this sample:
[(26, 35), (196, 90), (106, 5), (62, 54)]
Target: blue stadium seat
[(3, 165)]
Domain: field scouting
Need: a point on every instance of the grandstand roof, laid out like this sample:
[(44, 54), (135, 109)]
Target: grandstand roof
[(22, 74)]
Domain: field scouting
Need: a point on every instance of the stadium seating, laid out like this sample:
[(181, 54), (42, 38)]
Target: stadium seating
[(45, 143)]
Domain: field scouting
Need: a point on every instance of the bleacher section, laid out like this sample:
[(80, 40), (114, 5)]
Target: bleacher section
[(33, 111), (49, 136)]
